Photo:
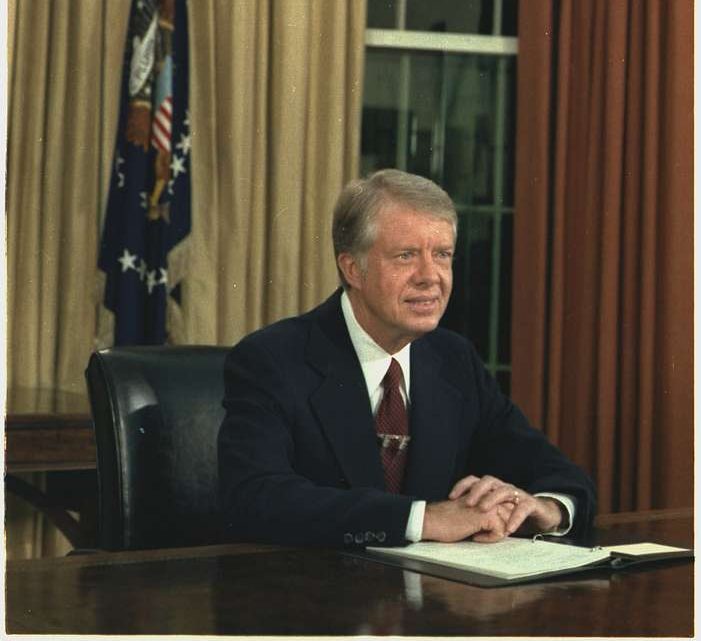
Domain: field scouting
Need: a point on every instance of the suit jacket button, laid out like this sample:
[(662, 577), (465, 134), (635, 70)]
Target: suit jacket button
[(348, 538), (381, 537), (359, 538)]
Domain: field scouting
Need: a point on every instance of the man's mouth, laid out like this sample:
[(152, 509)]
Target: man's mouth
[(423, 303)]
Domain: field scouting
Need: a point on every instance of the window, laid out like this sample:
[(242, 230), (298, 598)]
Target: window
[(439, 100)]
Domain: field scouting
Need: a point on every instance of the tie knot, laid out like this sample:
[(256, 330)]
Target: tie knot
[(393, 377)]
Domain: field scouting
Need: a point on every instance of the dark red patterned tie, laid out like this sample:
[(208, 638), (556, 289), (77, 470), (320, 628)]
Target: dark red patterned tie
[(392, 425)]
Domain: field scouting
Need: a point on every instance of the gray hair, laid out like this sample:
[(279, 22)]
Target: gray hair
[(354, 229)]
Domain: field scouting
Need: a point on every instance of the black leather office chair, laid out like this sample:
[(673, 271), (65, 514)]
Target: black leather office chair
[(156, 412)]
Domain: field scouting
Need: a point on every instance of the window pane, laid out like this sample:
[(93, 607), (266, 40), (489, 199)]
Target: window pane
[(509, 21), (469, 305), (442, 116), (382, 14), (509, 158), (504, 380), (467, 16), (450, 16), (505, 280), (478, 144), (379, 134)]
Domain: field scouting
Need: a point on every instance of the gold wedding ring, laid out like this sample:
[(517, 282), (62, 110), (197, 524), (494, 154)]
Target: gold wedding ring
[(517, 498)]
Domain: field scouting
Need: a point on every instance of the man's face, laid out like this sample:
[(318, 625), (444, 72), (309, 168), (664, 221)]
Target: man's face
[(401, 289)]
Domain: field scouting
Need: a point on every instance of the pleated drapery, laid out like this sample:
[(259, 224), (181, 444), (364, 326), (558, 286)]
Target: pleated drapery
[(603, 267), (276, 101), (63, 95)]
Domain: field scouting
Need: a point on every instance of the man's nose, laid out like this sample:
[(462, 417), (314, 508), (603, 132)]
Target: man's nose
[(426, 270)]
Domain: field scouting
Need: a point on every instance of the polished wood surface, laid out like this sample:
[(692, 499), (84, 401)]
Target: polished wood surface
[(48, 430), (51, 431), (248, 589)]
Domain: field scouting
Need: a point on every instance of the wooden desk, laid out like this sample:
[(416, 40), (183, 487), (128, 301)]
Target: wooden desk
[(51, 431), (48, 430), (262, 590)]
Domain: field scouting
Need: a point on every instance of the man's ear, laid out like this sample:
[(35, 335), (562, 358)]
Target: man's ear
[(350, 268)]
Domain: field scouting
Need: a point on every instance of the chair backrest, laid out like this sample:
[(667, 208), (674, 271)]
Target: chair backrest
[(156, 412)]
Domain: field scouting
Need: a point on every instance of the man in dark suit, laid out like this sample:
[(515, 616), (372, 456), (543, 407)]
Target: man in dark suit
[(362, 422)]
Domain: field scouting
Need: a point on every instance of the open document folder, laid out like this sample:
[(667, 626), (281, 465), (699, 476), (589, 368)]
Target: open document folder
[(516, 560)]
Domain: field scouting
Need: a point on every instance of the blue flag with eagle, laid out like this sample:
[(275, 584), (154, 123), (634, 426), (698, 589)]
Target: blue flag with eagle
[(142, 256)]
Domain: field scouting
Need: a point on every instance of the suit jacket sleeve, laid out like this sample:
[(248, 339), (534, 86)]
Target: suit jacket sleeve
[(279, 482), (505, 445)]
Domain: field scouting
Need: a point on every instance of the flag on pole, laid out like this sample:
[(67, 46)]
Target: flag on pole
[(142, 251)]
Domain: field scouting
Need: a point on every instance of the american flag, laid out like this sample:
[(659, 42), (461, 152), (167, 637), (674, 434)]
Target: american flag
[(160, 133), (147, 220)]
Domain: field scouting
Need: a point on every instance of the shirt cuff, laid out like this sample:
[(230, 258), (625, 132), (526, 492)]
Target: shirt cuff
[(566, 501), (415, 524)]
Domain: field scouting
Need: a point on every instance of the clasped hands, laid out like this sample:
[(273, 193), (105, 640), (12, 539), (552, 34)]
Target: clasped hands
[(487, 509)]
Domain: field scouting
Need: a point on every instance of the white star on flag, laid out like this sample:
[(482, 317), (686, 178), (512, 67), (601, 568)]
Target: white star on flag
[(163, 280), (184, 144), (120, 175), (177, 166), (127, 260), (142, 269), (151, 280)]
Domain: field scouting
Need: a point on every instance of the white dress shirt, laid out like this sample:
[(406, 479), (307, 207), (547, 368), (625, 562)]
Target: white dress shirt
[(375, 361)]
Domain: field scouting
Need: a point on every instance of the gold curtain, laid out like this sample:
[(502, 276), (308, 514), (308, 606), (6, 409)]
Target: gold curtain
[(63, 97), (275, 99), (275, 102), (602, 338)]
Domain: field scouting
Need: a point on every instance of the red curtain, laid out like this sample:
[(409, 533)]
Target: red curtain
[(602, 334)]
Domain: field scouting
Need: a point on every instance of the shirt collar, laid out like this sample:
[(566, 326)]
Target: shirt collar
[(374, 360)]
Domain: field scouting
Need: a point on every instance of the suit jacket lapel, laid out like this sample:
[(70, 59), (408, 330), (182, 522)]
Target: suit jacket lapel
[(341, 403), (434, 422)]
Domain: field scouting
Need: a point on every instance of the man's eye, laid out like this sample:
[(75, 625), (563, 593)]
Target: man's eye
[(445, 255), (405, 256)]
